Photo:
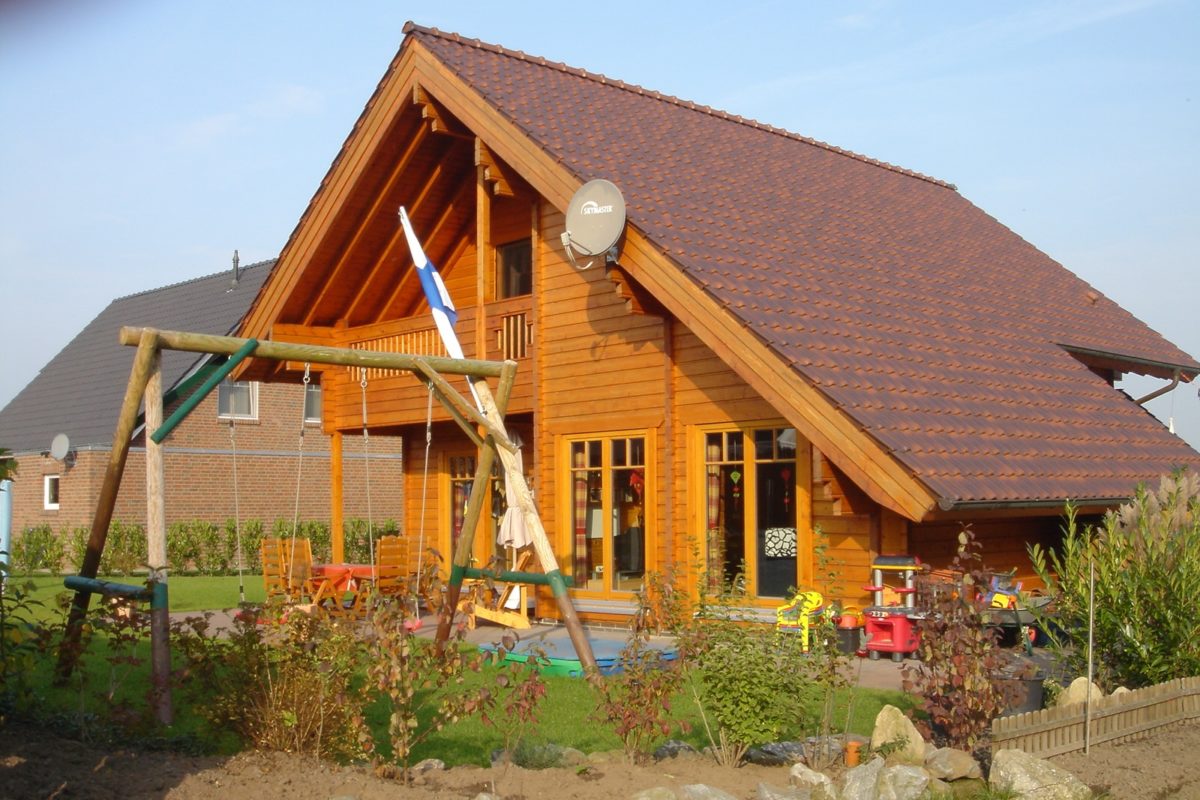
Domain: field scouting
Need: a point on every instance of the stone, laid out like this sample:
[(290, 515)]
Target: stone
[(700, 791), (817, 783), (822, 751), (656, 793), (862, 782), (606, 756), (1077, 692), (428, 765), (902, 782), (948, 764), (1032, 778), (673, 748), (766, 791), (1120, 690), (893, 728), (939, 790), (777, 754)]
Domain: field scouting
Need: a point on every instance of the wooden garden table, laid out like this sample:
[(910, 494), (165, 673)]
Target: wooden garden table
[(342, 588)]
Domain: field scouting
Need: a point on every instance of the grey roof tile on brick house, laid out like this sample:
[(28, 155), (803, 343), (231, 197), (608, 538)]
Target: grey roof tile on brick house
[(79, 392), (954, 343)]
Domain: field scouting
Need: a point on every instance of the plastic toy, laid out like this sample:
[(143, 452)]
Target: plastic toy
[(797, 614), (889, 622)]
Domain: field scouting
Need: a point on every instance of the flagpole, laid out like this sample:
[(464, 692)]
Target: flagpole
[(441, 307)]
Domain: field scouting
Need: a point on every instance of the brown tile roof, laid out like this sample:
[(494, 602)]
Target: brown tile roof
[(935, 327)]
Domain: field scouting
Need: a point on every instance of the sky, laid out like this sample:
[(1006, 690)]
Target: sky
[(142, 142)]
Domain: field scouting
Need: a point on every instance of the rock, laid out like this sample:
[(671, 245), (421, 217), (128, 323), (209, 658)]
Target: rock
[(766, 791), (1031, 778), (1119, 691), (818, 783), (948, 764), (861, 782), (699, 791), (606, 756), (1077, 692), (428, 765), (542, 756), (673, 748), (902, 782), (939, 790), (657, 793), (892, 728), (777, 754)]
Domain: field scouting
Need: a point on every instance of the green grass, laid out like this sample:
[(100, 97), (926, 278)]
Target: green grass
[(187, 592)]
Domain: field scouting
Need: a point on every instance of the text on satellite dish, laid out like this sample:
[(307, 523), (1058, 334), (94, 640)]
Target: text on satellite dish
[(592, 207)]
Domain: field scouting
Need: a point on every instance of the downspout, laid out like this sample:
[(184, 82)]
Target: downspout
[(1161, 391)]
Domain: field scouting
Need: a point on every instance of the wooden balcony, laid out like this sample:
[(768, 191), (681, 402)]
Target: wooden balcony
[(397, 398)]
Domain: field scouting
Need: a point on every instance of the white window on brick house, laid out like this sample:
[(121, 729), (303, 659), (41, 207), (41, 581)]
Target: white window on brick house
[(237, 399), (312, 402), (50, 492)]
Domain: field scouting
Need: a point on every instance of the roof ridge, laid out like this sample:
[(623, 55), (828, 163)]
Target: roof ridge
[(412, 27), (177, 284)]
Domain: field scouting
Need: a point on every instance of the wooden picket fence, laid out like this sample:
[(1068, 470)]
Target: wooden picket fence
[(1053, 731)]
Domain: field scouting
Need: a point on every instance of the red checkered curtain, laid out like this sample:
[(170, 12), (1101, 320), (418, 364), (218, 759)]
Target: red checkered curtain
[(461, 493), (713, 514), (580, 506)]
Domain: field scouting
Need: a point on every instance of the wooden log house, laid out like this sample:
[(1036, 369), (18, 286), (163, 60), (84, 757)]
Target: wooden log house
[(792, 337)]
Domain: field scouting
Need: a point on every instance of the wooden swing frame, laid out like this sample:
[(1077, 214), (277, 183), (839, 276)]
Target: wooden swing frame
[(485, 429)]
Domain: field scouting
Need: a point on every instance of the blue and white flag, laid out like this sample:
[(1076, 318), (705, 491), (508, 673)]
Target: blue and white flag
[(440, 304)]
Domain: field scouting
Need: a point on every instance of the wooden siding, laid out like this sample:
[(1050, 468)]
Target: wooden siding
[(1004, 542)]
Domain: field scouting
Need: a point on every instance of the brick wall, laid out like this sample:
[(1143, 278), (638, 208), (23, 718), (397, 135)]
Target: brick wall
[(199, 466)]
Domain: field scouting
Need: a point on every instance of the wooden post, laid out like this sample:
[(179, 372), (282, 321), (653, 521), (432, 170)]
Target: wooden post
[(337, 533), (156, 549), (147, 343)]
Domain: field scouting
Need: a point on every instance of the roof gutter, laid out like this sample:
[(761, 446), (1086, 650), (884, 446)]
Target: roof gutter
[(949, 504), (1182, 371)]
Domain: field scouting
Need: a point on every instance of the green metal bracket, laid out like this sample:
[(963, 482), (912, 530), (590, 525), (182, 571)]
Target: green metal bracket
[(188, 405)]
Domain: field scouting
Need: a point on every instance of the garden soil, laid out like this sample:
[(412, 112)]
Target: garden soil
[(35, 763)]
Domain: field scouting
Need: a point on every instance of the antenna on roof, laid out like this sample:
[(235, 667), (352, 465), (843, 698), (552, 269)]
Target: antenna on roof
[(595, 221)]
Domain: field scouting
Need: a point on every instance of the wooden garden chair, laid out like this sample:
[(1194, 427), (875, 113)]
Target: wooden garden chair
[(501, 603), (391, 568)]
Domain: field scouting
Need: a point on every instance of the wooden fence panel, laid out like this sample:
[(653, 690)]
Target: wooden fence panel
[(1123, 717)]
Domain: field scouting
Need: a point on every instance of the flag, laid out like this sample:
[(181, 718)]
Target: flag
[(440, 304)]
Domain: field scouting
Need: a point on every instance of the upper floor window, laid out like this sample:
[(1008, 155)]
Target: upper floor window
[(239, 400), (312, 402), (514, 269)]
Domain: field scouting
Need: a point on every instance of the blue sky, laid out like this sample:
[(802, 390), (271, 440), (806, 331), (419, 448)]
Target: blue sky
[(142, 142)]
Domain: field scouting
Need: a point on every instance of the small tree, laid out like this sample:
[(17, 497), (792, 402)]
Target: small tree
[(959, 674), (1146, 557)]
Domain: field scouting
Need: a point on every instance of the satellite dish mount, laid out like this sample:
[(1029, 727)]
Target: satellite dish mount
[(595, 222)]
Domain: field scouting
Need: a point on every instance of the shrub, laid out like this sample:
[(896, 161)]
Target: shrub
[(636, 700), (76, 547), (37, 548), (1146, 557), (960, 675), (124, 550), (742, 674), (22, 640)]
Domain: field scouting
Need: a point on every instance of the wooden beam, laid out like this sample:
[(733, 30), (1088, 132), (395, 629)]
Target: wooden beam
[(287, 351), (156, 549), (493, 171), (439, 121), (337, 510), (143, 364), (637, 300), (483, 257), (408, 288)]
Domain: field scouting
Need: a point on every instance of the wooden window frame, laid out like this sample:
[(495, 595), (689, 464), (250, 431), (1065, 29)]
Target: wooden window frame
[(501, 271), (565, 506), (697, 501)]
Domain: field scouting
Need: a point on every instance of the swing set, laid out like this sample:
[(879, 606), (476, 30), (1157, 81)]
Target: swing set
[(485, 429)]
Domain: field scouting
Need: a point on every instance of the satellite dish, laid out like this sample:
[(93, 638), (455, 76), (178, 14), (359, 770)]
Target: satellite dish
[(595, 220), (60, 447)]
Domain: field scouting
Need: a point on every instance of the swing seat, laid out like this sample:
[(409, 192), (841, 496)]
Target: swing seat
[(493, 602)]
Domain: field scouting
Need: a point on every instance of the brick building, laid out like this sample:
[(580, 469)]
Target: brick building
[(250, 429)]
